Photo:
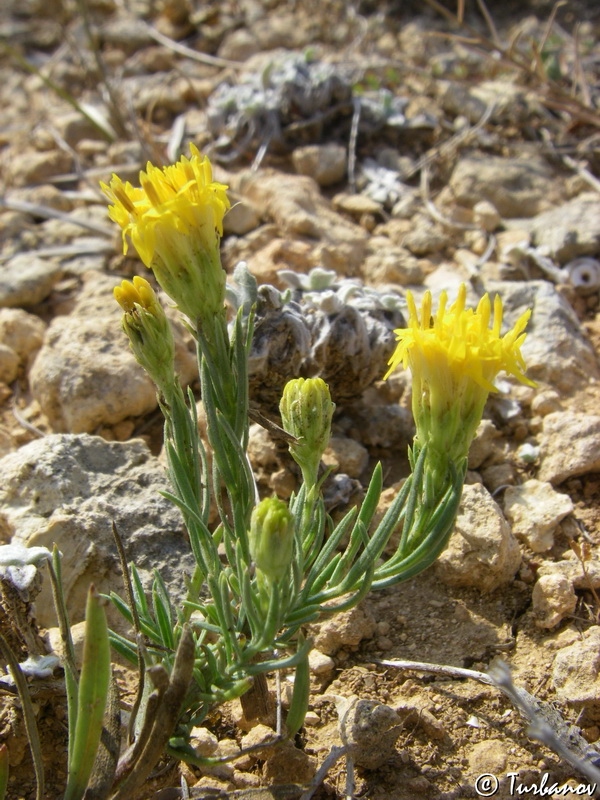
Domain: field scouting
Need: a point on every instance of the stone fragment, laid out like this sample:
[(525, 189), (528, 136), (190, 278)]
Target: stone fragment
[(425, 236), (319, 663), (325, 163), (483, 445), (356, 204), (345, 629), (391, 264), (485, 214), (490, 756), (556, 349), (570, 446), (346, 455), (517, 187), (572, 569), (27, 166), (241, 218), (27, 280), (295, 203), (9, 364), (553, 599), (534, 510), (482, 552), (576, 672), (569, 230), (70, 489), (22, 332), (369, 730), (508, 100)]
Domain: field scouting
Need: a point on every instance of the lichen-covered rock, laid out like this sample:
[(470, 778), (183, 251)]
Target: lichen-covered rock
[(482, 551), (534, 509), (70, 489)]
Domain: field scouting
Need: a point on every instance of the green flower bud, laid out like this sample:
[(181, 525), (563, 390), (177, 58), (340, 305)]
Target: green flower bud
[(306, 412), (271, 537), (149, 332)]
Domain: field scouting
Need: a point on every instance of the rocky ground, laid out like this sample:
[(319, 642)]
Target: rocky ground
[(399, 147)]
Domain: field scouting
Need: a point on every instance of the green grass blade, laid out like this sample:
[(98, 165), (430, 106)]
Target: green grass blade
[(92, 697)]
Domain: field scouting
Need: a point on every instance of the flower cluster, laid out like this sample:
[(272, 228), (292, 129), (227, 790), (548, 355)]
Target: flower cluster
[(175, 221), (454, 357)]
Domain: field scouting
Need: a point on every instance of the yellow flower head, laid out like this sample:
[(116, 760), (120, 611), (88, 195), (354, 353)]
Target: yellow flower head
[(149, 332), (454, 357), (175, 221)]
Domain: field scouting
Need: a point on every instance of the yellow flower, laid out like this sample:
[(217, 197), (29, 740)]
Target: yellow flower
[(454, 357), (175, 221), (149, 332)]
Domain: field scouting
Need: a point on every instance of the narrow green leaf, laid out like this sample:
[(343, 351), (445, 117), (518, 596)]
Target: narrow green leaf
[(300, 697), (92, 697)]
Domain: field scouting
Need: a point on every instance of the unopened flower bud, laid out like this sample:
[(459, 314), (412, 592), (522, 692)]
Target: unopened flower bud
[(306, 413), (271, 537), (148, 330)]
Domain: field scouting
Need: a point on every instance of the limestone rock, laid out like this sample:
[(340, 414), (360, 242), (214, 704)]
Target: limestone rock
[(346, 455), (295, 203), (347, 628), (576, 672), (69, 489), (21, 331), (9, 364), (325, 163), (571, 229), (570, 446), (556, 350), (517, 187), (534, 510), (482, 551), (369, 731), (27, 280), (553, 599)]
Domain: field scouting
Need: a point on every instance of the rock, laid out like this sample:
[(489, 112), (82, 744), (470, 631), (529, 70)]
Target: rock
[(27, 280), (485, 214), (482, 552), (346, 455), (239, 45), (553, 599), (27, 166), (369, 730), (570, 230), (356, 204), (425, 236), (391, 264), (324, 163), (517, 187), (576, 672), (85, 375), (489, 756), (22, 332), (534, 510), (346, 628), (204, 742), (319, 663), (472, 101), (556, 350), (570, 446), (484, 444), (545, 403), (295, 203), (415, 712), (241, 218), (9, 364), (572, 569), (70, 489)]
